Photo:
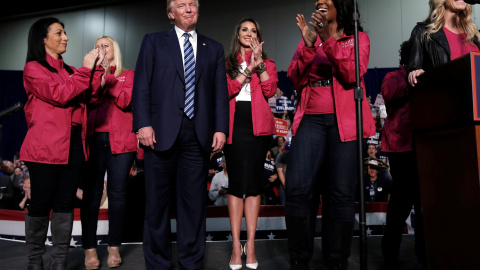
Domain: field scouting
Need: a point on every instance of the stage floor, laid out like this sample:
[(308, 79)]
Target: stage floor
[(271, 254)]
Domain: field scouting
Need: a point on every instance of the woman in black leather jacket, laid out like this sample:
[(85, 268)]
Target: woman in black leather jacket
[(446, 34)]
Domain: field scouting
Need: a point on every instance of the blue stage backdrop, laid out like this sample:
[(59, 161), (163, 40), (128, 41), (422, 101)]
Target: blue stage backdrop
[(15, 128)]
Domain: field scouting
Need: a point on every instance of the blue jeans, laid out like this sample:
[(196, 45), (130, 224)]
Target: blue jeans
[(320, 163), (117, 167)]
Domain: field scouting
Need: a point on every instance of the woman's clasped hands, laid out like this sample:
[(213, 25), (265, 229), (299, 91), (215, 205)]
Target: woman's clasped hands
[(94, 57), (257, 49)]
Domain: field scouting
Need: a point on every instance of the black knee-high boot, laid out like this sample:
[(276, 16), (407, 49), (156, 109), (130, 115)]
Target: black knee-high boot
[(35, 235), (301, 232), (336, 243), (61, 228)]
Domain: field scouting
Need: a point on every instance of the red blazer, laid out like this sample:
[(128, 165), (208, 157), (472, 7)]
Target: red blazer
[(341, 54), (48, 110), (262, 116), (396, 136), (117, 96)]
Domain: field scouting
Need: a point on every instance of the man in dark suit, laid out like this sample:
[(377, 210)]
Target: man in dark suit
[(180, 103)]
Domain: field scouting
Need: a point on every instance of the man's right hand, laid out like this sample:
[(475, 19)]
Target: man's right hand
[(146, 136)]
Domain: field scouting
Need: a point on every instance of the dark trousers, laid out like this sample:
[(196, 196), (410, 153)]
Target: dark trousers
[(176, 179), (405, 193), (117, 167), (318, 160), (53, 186)]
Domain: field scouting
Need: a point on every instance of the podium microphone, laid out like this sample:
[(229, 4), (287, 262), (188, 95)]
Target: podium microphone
[(11, 110), (472, 2)]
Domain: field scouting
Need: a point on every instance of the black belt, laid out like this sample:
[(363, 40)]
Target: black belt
[(323, 83)]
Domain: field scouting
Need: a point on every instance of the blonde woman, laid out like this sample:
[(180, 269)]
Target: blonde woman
[(446, 34), (112, 148)]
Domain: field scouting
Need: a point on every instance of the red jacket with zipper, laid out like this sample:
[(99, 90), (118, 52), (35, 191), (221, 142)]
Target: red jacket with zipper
[(262, 116), (341, 54), (397, 135), (48, 110), (116, 96)]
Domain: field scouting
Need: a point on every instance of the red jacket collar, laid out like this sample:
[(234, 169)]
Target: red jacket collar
[(55, 63)]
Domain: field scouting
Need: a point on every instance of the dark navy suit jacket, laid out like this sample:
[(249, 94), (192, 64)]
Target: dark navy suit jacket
[(159, 89)]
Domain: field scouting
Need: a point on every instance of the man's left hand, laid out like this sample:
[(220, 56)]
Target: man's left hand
[(219, 140)]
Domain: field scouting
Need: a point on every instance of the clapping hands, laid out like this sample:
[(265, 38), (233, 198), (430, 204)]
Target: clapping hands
[(103, 61), (96, 57), (91, 58), (309, 36), (257, 49), (320, 27)]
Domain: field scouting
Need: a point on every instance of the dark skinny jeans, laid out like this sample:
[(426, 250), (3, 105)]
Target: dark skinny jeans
[(117, 167), (319, 162)]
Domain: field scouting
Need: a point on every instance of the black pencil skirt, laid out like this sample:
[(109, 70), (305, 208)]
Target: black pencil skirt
[(245, 157)]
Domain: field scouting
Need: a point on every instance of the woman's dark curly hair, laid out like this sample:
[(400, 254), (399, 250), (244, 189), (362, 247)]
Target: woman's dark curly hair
[(36, 47), (404, 52), (345, 16)]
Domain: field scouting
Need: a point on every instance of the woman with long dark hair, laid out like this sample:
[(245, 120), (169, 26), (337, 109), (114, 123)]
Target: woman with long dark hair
[(54, 147), (112, 149), (252, 79), (324, 147)]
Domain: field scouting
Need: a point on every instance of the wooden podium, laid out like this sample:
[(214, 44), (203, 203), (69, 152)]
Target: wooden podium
[(445, 119)]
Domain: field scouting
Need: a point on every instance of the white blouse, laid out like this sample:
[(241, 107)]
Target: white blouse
[(244, 94)]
